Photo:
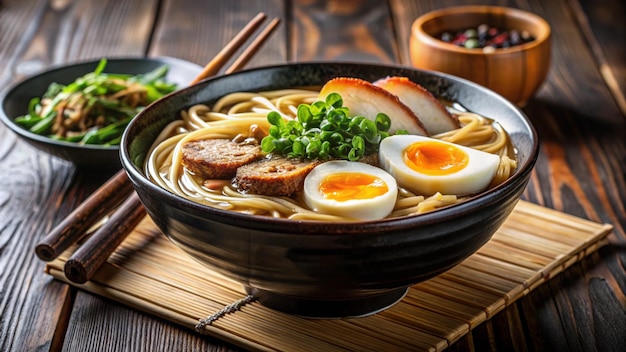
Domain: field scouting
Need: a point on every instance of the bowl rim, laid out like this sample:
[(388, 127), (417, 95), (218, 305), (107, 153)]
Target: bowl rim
[(418, 32), (10, 121), (484, 198)]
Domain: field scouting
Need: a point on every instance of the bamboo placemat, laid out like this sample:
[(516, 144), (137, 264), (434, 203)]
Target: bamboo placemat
[(535, 243)]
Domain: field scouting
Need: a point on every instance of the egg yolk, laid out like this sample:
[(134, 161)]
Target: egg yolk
[(435, 158), (350, 185)]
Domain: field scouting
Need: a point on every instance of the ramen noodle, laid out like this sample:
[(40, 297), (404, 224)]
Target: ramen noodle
[(243, 114)]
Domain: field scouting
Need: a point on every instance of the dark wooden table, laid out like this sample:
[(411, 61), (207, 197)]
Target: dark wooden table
[(579, 113)]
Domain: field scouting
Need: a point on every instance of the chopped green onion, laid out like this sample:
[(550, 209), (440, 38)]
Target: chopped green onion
[(325, 130)]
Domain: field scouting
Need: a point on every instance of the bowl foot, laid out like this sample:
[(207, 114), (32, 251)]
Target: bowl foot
[(328, 308)]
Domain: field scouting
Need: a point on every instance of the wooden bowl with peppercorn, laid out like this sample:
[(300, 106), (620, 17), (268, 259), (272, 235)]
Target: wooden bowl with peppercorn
[(504, 49)]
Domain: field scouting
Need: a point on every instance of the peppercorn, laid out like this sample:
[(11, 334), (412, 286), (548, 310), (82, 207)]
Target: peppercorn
[(446, 37), (515, 37), (483, 30), (486, 37), (471, 33), (471, 43)]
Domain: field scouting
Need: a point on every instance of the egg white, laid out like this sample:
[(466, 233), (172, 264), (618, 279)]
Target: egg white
[(474, 178), (374, 208)]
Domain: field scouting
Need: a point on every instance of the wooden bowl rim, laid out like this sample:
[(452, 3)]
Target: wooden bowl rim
[(542, 27)]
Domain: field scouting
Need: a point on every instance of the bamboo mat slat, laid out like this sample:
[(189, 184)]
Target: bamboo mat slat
[(149, 273)]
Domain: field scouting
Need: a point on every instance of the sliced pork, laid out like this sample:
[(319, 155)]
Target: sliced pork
[(431, 112), (365, 99)]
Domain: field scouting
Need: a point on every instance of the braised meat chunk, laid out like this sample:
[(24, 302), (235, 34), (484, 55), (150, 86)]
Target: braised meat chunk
[(218, 158), (274, 176)]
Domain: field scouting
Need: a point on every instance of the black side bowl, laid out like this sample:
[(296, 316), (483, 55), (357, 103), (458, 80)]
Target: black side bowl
[(327, 269), (14, 102)]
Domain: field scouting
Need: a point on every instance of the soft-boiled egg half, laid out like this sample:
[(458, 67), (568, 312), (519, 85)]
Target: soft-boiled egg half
[(426, 165), (350, 189)]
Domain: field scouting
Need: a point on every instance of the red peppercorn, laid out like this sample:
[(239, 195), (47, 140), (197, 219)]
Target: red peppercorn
[(500, 38)]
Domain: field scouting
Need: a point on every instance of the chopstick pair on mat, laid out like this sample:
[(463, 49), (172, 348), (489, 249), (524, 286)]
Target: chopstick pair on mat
[(83, 263)]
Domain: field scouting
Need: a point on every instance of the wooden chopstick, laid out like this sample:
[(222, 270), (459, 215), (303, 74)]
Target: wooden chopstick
[(75, 225), (227, 52), (247, 54), (89, 257), (96, 250)]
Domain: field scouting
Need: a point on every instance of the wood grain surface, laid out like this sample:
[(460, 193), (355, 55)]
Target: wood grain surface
[(579, 115)]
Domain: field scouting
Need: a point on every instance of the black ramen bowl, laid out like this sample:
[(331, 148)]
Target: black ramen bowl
[(15, 100), (328, 269)]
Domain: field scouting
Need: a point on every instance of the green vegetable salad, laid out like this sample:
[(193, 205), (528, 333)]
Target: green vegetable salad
[(95, 108)]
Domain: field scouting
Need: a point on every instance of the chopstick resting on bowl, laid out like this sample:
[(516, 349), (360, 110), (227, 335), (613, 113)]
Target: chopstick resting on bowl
[(86, 260)]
